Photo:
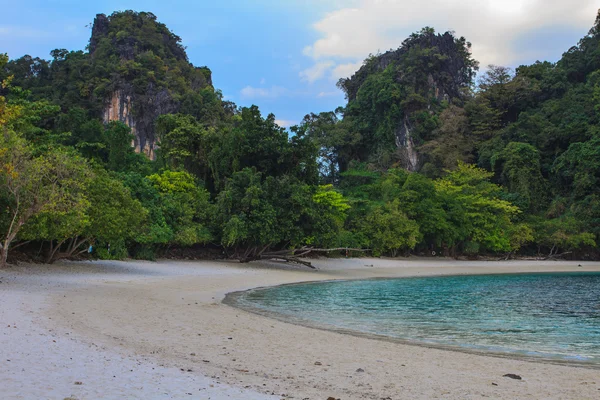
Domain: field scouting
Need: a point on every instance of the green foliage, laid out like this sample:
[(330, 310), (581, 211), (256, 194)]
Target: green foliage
[(421, 158), (474, 209), (449, 142), (578, 168), (562, 234), (184, 205), (259, 143), (259, 214), (335, 140), (246, 214), (184, 143), (521, 174), (43, 194), (114, 215), (119, 138), (327, 213), (389, 230)]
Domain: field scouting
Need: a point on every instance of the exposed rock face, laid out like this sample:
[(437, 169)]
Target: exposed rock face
[(445, 79), (119, 107), (139, 91), (430, 67), (99, 29), (406, 146)]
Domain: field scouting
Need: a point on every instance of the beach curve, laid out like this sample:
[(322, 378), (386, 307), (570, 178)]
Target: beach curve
[(171, 314)]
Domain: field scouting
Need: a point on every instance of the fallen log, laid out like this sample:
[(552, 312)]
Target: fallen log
[(293, 255), (557, 255)]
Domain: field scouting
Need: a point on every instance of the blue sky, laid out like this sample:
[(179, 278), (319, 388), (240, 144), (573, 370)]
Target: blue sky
[(286, 56)]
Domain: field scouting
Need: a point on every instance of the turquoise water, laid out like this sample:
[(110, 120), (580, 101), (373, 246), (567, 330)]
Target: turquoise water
[(545, 315)]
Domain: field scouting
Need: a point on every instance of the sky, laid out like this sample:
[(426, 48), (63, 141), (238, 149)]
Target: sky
[(286, 55)]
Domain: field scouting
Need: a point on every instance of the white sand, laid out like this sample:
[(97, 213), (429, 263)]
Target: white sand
[(125, 330), (41, 358)]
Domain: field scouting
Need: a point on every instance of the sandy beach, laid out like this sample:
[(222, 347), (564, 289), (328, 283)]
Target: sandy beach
[(144, 330)]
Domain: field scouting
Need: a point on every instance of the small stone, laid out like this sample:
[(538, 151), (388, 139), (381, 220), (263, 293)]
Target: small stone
[(318, 363), (360, 370), (494, 384), (192, 354), (78, 383), (513, 376)]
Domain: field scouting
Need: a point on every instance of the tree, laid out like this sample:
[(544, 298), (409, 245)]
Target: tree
[(30, 184), (248, 220), (185, 143), (390, 230), (262, 217), (450, 143), (113, 217), (259, 143), (422, 203), (50, 184), (578, 168), (335, 140), (478, 217), (561, 234), (119, 139), (185, 207), (521, 174), (328, 211)]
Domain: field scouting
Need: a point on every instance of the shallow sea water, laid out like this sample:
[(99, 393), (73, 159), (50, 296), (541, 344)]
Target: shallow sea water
[(544, 315)]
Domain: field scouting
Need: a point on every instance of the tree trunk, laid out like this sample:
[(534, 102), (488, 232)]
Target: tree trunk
[(53, 250), (4, 249), (3, 256)]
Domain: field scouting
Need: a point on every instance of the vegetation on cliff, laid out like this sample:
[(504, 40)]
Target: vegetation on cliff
[(422, 158)]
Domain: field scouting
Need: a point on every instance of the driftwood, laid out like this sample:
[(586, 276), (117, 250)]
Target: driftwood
[(288, 255), (550, 257)]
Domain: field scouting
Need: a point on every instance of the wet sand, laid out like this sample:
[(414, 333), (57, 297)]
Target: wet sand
[(96, 322)]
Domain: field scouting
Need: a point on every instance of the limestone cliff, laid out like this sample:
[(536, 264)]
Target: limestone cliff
[(145, 73), (392, 93), (119, 107)]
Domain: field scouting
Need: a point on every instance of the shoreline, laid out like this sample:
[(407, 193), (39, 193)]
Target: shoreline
[(232, 299), (170, 315)]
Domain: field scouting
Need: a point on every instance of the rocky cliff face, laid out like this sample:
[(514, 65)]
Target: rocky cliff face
[(409, 157), (119, 107), (428, 69), (147, 73)]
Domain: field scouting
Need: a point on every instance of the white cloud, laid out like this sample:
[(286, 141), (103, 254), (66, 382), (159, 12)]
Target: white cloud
[(250, 92), (349, 34), (263, 81), (317, 71), (345, 70), (284, 123), (329, 94)]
